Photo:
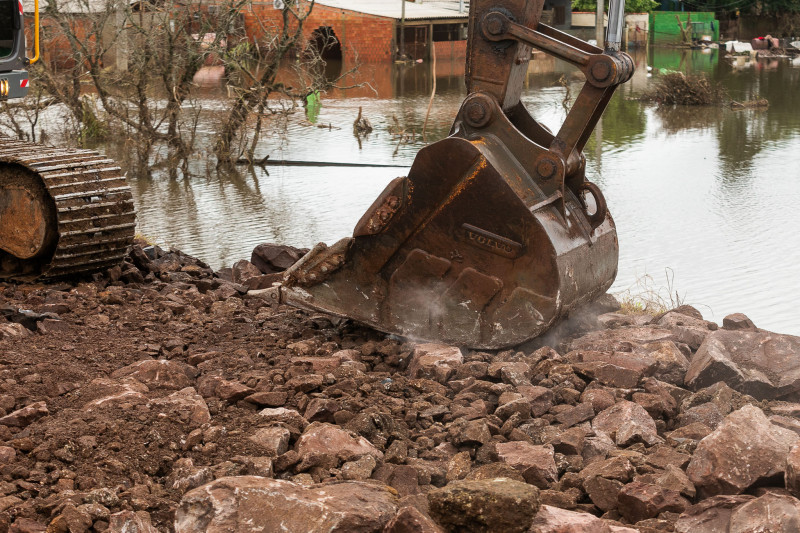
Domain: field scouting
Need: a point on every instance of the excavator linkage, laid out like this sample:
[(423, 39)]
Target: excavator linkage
[(495, 233)]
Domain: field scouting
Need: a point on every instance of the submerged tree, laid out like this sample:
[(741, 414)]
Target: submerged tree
[(131, 67)]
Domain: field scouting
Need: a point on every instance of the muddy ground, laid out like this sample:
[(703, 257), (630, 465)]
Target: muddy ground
[(121, 394)]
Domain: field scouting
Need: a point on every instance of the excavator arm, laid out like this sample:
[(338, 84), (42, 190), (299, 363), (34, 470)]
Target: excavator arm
[(491, 238)]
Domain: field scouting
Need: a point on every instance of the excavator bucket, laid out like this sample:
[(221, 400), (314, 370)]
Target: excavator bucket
[(495, 233)]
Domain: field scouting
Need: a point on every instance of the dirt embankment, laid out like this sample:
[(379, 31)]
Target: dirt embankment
[(161, 396)]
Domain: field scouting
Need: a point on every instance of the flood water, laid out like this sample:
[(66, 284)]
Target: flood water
[(705, 200)]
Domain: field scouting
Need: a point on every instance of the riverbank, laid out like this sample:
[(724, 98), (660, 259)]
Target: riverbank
[(161, 396)]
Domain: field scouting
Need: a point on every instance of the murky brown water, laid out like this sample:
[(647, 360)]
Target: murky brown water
[(706, 196)]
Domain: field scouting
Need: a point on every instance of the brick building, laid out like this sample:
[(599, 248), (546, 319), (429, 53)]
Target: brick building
[(370, 30)]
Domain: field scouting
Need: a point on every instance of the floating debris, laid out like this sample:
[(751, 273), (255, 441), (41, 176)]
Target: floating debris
[(678, 89)]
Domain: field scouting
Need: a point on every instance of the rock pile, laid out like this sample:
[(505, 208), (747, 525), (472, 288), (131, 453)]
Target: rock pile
[(164, 397)]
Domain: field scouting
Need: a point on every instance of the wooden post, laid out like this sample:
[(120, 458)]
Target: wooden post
[(403, 29), (598, 24)]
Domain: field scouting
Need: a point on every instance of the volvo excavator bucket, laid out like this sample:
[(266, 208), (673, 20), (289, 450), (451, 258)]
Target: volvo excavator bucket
[(495, 233)]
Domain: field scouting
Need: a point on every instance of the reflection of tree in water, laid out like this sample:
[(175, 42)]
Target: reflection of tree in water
[(743, 135), (673, 119), (624, 121)]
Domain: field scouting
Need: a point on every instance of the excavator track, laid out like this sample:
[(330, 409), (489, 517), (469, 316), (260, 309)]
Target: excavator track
[(79, 198)]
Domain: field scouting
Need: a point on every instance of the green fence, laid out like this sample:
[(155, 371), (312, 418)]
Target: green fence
[(664, 26)]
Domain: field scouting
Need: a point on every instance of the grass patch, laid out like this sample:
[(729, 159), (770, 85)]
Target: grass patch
[(676, 88), (646, 296), (144, 240)]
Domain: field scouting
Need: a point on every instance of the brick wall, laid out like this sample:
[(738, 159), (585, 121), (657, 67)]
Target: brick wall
[(364, 37), (450, 49)]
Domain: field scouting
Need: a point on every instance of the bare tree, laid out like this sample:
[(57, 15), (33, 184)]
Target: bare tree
[(130, 67)]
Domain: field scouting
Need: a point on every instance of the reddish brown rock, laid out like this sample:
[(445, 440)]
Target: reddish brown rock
[(273, 441), (130, 522), (327, 439), (108, 392), (689, 328), (575, 415), (627, 423), (746, 448), (541, 398), (621, 339), (268, 399), (247, 502), (676, 479), (159, 373), (762, 364), (640, 501), (603, 492), (282, 415), (661, 360), (7, 455), (26, 525), (711, 515), (535, 463), (469, 433), (12, 330), (28, 414), (436, 362), (409, 519), (618, 468), (495, 470), (486, 506), (767, 513), (792, 475), (738, 321), (321, 410), (232, 391), (243, 270), (554, 520), (609, 374), (185, 406), (271, 258)]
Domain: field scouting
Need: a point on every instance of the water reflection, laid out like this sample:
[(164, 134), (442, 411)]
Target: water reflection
[(710, 193)]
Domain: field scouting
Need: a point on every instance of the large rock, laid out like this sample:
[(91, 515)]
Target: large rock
[(249, 503), (762, 364), (622, 339), (659, 359), (494, 505), (711, 515), (159, 373), (434, 361), (321, 439), (270, 258), (26, 415), (535, 463), (554, 520), (640, 501), (627, 423), (746, 448), (770, 512), (185, 406), (688, 327)]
